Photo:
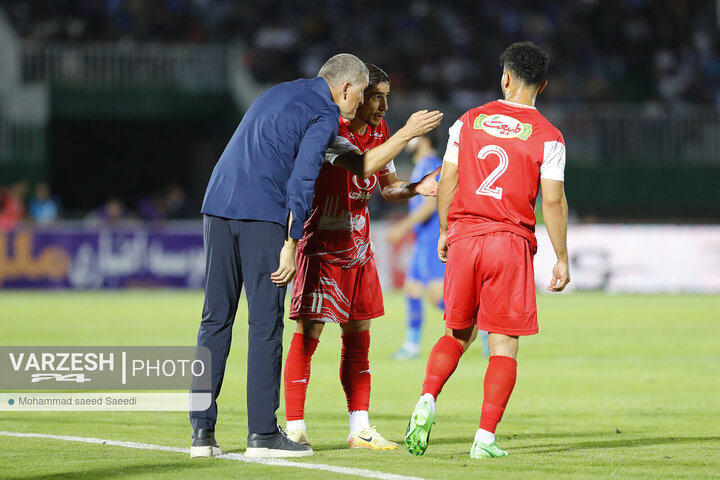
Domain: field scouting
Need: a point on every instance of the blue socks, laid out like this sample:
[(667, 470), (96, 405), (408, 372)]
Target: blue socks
[(414, 320)]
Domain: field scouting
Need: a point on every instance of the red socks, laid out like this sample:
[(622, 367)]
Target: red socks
[(442, 362), (355, 370), (297, 375), (499, 383)]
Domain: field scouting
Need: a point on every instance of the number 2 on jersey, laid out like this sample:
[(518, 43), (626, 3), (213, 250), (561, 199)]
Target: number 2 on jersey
[(486, 187)]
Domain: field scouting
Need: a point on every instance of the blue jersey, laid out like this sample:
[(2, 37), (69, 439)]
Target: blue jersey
[(428, 231)]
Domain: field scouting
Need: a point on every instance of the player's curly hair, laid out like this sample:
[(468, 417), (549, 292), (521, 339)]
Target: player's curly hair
[(526, 60), (376, 75)]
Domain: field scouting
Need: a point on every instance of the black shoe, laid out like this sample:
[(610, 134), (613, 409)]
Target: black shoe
[(204, 444), (275, 444)]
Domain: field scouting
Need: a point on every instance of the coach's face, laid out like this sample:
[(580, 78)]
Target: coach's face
[(375, 104), (350, 98)]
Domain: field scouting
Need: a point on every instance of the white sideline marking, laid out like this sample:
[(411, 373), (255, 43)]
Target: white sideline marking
[(275, 462)]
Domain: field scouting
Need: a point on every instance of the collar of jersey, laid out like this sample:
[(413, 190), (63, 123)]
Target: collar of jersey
[(520, 105)]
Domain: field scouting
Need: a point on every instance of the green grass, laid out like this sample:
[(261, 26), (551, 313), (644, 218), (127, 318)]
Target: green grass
[(613, 386)]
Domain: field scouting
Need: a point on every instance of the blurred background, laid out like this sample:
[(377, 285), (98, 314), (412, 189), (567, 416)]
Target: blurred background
[(114, 112)]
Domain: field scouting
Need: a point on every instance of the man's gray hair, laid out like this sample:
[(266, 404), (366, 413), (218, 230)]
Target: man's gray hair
[(344, 67)]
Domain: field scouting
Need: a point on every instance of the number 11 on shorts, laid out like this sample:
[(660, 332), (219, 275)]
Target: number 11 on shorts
[(317, 302)]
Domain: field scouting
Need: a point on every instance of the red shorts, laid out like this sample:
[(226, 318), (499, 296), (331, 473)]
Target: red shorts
[(328, 293), (490, 281)]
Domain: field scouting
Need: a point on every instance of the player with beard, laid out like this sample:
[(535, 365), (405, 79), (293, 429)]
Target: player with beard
[(337, 279)]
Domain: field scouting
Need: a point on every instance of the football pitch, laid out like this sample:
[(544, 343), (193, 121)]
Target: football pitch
[(614, 386)]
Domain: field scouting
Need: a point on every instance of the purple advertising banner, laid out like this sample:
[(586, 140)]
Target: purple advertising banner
[(74, 256)]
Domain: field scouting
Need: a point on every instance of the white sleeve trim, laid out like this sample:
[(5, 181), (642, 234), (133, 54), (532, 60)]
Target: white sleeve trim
[(340, 146), (553, 165), (389, 168), (451, 152)]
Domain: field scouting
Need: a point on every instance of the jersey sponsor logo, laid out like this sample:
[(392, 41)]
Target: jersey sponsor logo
[(502, 126), (366, 185), (362, 196)]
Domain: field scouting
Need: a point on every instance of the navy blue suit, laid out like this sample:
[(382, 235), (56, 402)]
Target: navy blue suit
[(268, 169)]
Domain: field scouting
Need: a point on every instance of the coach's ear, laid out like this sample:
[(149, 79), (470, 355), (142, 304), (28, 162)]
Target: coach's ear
[(543, 84), (346, 89)]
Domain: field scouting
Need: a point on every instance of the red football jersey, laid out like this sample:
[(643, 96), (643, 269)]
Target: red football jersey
[(502, 149), (338, 230)]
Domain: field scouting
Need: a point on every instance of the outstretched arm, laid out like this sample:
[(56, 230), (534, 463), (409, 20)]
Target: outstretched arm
[(372, 161), (394, 189), (447, 186), (555, 212)]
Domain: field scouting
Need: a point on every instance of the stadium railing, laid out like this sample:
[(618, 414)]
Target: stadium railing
[(610, 133), (21, 140), (602, 134), (620, 134), (188, 67)]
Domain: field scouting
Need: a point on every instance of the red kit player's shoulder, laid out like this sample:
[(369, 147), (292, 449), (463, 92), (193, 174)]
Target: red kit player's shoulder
[(470, 115), (344, 128), (469, 118), (545, 129), (552, 130)]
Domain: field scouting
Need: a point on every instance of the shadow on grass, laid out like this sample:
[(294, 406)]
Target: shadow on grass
[(324, 447), (616, 443), (577, 445), (122, 471)]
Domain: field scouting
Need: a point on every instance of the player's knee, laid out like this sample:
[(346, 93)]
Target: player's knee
[(355, 326), (504, 345), (466, 336), (310, 328)]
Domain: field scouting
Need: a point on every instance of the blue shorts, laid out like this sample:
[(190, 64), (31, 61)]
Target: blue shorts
[(425, 266)]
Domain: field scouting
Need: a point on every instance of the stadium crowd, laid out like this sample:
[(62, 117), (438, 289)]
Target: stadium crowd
[(42, 208), (612, 50), (658, 53)]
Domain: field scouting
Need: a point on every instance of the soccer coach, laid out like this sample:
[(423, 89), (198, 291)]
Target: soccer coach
[(255, 206)]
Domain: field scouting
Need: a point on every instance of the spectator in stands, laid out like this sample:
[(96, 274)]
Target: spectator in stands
[(43, 208), (626, 50), (12, 205), (111, 212), (171, 203), (177, 204)]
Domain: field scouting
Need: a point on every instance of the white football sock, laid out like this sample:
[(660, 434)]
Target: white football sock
[(429, 398), (295, 425), (484, 436), (411, 347), (359, 420)]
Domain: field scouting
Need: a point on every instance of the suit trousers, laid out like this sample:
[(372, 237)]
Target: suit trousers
[(237, 253)]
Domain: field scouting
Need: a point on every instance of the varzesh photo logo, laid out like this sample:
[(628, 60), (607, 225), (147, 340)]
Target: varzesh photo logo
[(173, 371)]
